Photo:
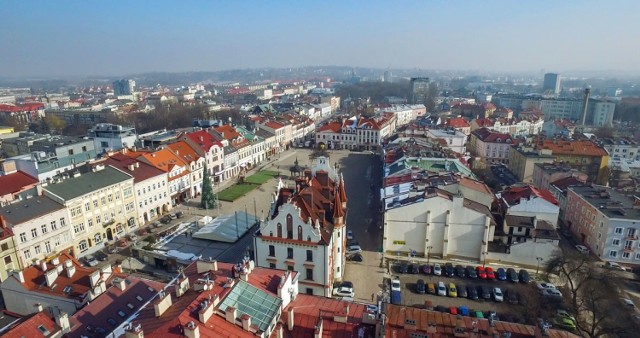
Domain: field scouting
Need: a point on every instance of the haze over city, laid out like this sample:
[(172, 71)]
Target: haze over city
[(78, 38)]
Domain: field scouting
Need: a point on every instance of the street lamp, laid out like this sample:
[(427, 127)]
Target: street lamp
[(484, 258), (539, 259), (429, 253)]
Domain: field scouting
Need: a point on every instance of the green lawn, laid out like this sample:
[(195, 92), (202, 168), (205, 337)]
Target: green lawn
[(261, 177), (236, 191)]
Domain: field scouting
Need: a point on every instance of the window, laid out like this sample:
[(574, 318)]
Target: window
[(289, 226), (272, 251), (618, 230), (279, 230), (23, 237), (103, 200), (97, 238), (70, 151), (37, 249), (309, 274), (78, 228), (98, 219), (62, 222), (76, 211), (27, 254), (84, 149), (299, 232), (90, 222), (95, 203), (34, 233), (615, 242), (290, 267), (309, 256), (53, 225), (4, 247), (44, 228), (289, 253), (47, 246), (87, 206), (638, 255), (625, 255), (82, 246), (613, 253), (7, 260), (272, 265)]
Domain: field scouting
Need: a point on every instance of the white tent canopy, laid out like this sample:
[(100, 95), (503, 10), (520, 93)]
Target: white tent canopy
[(227, 228)]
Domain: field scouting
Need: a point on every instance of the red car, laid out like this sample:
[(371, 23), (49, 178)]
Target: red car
[(453, 310), (489, 272), (481, 273)]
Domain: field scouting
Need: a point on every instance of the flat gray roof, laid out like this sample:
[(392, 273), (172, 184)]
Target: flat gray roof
[(86, 183), (610, 202), (30, 208)]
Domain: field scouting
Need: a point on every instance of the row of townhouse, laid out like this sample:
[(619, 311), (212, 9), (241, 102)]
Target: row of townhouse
[(357, 132)]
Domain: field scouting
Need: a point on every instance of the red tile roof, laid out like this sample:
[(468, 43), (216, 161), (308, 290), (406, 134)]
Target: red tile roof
[(25, 107), (274, 125), (489, 136), (576, 147), (513, 194), (203, 139), (142, 172), (16, 182), (335, 127), (106, 306), (227, 131), (482, 122), (307, 310), (163, 159), (184, 151), (31, 327), (457, 122)]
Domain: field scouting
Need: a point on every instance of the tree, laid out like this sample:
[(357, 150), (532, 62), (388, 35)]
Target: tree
[(592, 293), (53, 124), (604, 132), (208, 198)]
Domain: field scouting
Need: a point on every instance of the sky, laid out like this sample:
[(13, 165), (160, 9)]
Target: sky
[(118, 37)]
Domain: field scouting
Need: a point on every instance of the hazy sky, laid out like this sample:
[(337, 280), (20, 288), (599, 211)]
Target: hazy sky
[(122, 37)]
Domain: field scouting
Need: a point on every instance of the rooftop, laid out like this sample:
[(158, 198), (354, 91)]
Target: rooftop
[(28, 209), (36, 325), (433, 165), (139, 170), (514, 194), (74, 187), (15, 182), (571, 147), (610, 202)]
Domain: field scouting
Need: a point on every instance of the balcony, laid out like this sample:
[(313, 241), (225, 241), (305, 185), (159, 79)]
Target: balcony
[(628, 249), (632, 237)]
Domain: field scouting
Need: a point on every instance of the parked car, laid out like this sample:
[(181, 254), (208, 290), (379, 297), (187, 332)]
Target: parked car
[(582, 249), (441, 308), (421, 287), (545, 286), (448, 270), (453, 291), (453, 310), (501, 274), (484, 292), (481, 273), (564, 323), (351, 242), (462, 291), (489, 272), (414, 269), (343, 292), (471, 272), (354, 249), (165, 219), (497, 295), (173, 216), (402, 267), (112, 249), (431, 288), (426, 269), (355, 258), (437, 270), (463, 310), (513, 275), (628, 303), (91, 260), (524, 276), (511, 297), (349, 234), (101, 256), (442, 290), (472, 293), (479, 314), (614, 266), (179, 214), (460, 271), (564, 314), (395, 285), (552, 294)]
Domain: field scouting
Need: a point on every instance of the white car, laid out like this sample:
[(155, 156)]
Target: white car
[(614, 265), (343, 292), (497, 295), (628, 302), (545, 286), (582, 249), (442, 289), (91, 261), (354, 249), (395, 285), (349, 234), (437, 270)]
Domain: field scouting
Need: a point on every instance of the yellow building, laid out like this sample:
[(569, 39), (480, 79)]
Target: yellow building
[(582, 155), (6, 130), (522, 160), (8, 258)]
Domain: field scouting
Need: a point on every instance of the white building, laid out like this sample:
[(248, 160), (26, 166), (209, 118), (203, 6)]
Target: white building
[(436, 222), (302, 235), (621, 148), (40, 227), (454, 139), (492, 147), (356, 132), (112, 137), (195, 163)]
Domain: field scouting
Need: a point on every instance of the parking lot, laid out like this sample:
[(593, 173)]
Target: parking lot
[(503, 175), (526, 294)]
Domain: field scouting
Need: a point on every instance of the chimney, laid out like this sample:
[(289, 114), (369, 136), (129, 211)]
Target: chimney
[(43, 265), (280, 330), (191, 330), (206, 265), (246, 322), (134, 331), (230, 314), (162, 304), (123, 151), (244, 275), (342, 316), (71, 270), (94, 277), (3, 222), (20, 276), (51, 277), (131, 167), (38, 307), (55, 261), (62, 319), (119, 283), (182, 286), (290, 319), (137, 164), (587, 94), (318, 329), (206, 310)]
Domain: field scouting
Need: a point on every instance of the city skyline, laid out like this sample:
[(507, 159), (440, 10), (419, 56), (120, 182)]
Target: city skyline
[(114, 39)]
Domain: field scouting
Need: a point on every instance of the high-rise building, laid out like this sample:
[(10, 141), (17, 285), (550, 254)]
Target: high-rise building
[(419, 90), (551, 83), (387, 76), (124, 87)]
